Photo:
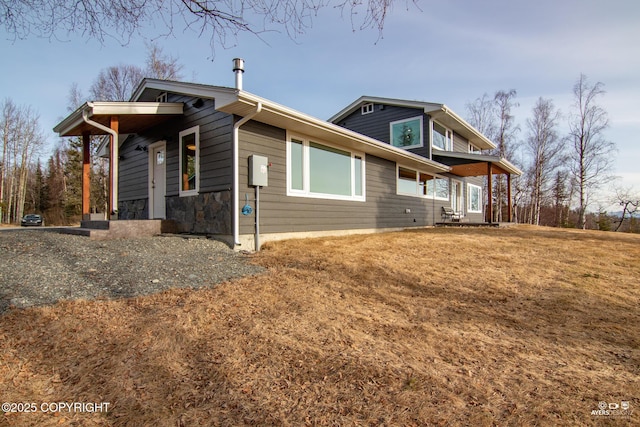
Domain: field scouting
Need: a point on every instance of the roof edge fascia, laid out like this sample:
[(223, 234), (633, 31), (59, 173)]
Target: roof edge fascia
[(501, 161), (221, 93), (72, 120), (340, 131), (449, 112), (381, 100)]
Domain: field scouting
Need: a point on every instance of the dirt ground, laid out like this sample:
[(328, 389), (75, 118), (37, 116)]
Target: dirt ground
[(483, 327)]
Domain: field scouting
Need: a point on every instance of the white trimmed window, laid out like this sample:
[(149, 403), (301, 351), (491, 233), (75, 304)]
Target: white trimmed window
[(441, 137), (366, 109), (411, 182), (189, 162), (474, 201), (324, 171), (474, 150), (162, 97), (407, 133)]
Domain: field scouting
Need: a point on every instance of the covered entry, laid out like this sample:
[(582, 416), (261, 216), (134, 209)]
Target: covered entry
[(117, 120), (471, 164)]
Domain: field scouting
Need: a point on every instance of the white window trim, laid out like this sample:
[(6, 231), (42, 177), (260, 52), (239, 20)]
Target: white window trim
[(449, 142), (163, 97), (306, 177), (474, 150), (192, 130), (367, 108), (469, 209), (408, 147), (421, 196)]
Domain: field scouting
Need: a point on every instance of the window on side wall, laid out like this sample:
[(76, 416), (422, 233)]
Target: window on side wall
[(474, 150), (474, 202), (441, 137), (321, 170), (411, 182), (189, 162)]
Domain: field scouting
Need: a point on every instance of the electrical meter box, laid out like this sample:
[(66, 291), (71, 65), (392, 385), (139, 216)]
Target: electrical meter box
[(258, 171)]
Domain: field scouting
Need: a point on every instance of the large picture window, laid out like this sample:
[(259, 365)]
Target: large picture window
[(407, 133), (475, 198), (189, 166), (414, 183), (320, 170)]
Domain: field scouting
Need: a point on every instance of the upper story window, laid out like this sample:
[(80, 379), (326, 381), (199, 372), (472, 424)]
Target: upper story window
[(474, 150), (323, 171), (163, 97), (415, 183), (366, 109), (189, 164), (407, 133), (441, 137)]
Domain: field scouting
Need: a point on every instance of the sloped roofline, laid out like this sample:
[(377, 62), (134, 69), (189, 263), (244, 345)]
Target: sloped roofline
[(437, 111), (241, 103)]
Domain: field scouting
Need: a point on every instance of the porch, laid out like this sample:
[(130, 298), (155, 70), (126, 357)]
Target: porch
[(473, 164)]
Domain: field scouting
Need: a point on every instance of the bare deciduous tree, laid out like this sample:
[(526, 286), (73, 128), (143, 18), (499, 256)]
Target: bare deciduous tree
[(102, 19), (161, 66), (21, 138), (629, 200), (505, 133), (545, 148), (591, 153), (482, 115)]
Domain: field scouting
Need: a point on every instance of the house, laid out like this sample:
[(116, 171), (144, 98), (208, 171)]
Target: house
[(223, 161)]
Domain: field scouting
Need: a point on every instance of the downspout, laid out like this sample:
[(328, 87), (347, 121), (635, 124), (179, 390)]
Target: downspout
[(113, 154), (236, 173)]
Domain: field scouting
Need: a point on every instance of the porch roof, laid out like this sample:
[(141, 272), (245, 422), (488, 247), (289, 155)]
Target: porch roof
[(471, 164), (134, 117)]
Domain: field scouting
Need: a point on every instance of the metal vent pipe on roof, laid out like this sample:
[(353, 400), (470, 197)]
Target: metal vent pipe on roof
[(238, 68)]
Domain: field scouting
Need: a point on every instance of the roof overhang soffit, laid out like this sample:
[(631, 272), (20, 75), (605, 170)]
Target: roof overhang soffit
[(133, 117), (454, 122), (476, 165)]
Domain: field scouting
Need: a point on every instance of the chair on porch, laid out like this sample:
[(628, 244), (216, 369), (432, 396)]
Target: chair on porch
[(449, 214)]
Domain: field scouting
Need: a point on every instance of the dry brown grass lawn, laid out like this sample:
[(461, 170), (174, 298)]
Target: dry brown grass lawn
[(522, 326)]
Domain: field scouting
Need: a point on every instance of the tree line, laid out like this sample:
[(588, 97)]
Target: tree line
[(562, 173), (54, 189)]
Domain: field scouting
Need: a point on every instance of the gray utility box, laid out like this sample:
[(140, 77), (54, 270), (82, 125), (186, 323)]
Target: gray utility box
[(258, 171)]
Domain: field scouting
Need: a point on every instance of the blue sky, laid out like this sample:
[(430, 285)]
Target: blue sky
[(446, 51)]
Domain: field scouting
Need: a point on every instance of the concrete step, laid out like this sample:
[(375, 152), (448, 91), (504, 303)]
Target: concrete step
[(121, 229)]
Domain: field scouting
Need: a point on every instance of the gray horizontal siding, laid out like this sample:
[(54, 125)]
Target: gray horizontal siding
[(215, 151), (215, 146), (280, 213), (376, 124)]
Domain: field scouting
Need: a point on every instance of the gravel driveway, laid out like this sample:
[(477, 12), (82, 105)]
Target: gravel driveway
[(39, 267)]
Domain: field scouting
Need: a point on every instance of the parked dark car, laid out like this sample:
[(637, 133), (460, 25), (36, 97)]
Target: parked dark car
[(32, 219)]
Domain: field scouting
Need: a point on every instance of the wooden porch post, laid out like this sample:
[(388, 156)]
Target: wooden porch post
[(490, 192), (86, 176), (113, 164), (509, 202)]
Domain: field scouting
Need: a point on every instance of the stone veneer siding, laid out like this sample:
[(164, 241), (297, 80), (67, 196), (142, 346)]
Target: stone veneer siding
[(133, 209), (206, 213)]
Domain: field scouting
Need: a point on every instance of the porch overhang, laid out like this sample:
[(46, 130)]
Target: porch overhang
[(469, 164), (134, 117), (114, 119)]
